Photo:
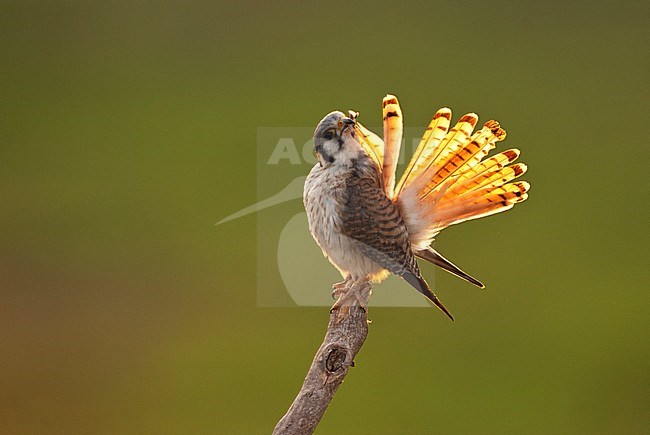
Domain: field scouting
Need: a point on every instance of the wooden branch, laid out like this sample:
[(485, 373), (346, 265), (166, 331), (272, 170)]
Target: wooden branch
[(346, 332)]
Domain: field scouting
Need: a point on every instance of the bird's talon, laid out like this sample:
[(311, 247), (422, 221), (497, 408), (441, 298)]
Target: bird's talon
[(348, 295), (339, 288)]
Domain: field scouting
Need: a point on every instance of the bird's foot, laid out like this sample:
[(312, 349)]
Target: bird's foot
[(356, 293), (339, 288)]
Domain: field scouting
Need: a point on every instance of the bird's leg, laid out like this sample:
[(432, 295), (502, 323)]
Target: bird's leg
[(339, 287), (358, 290)]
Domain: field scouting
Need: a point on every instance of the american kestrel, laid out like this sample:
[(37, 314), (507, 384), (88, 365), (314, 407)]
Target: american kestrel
[(367, 227)]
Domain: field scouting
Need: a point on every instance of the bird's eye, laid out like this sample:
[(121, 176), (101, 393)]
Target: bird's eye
[(329, 134)]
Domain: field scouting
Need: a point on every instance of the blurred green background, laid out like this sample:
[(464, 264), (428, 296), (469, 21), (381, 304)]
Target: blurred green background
[(127, 129)]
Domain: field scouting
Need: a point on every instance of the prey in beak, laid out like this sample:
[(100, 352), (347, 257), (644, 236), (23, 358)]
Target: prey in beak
[(348, 123)]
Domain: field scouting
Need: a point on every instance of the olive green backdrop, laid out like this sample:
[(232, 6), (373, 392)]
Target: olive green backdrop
[(127, 129)]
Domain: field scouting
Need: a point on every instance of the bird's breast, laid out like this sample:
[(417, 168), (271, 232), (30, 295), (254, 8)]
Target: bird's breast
[(324, 197)]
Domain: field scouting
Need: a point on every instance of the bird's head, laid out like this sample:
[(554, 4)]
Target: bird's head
[(335, 139)]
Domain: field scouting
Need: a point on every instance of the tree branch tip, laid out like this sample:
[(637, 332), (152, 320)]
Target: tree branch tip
[(346, 331)]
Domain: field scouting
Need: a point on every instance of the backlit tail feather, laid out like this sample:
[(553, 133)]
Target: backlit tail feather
[(455, 181), (463, 158), (429, 146), (487, 179), (393, 127), (474, 177), (479, 203), (441, 160)]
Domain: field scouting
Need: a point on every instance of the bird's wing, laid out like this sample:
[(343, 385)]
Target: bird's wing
[(374, 222), (434, 257), (393, 127), (371, 144), (449, 181)]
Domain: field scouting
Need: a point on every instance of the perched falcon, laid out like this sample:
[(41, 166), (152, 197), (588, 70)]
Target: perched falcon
[(369, 227)]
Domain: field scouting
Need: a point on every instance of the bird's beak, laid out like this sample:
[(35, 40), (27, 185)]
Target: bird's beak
[(347, 122)]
